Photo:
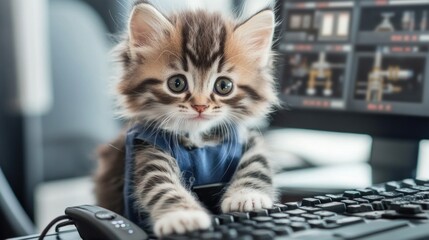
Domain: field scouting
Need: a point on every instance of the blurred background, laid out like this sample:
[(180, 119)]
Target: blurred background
[(56, 106)]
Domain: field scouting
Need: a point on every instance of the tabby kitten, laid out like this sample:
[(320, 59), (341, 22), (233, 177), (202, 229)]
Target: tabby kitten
[(194, 85)]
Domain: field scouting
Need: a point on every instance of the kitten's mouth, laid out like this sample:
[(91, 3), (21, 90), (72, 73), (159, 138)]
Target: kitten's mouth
[(200, 117)]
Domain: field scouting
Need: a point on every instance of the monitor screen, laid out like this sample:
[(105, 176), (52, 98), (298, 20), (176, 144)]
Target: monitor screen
[(367, 56)]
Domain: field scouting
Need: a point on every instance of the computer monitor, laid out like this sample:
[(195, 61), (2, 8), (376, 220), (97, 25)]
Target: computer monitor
[(357, 66)]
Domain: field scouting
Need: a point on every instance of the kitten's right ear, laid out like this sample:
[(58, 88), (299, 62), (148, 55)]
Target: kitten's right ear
[(146, 25)]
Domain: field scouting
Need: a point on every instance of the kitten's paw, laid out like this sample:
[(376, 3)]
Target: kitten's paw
[(181, 221), (246, 200)]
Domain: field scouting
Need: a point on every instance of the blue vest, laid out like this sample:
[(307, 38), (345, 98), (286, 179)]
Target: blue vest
[(198, 166)]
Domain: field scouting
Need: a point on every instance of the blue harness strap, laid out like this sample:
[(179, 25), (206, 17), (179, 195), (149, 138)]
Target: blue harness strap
[(198, 166)]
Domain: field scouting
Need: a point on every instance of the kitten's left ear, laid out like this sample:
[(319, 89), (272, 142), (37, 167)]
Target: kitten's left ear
[(257, 34)]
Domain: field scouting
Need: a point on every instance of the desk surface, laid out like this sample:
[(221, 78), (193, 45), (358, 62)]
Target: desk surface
[(64, 235)]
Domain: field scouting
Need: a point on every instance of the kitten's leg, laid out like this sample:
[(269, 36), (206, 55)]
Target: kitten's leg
[(159, 190), (251, 187)]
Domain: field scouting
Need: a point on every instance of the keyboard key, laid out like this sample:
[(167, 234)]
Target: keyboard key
[(299, 226), (263, 234), (373, 215), (351, 194), (373, 198), (323, 199), (310, 216), (349, 202), (395, 205), (349, 221), (336, 197), (244, 230), (244, 237), (410, 198), (265, 225), (273, 210), (310, 202), (230, 234), (235, 225), (337, 207), (196, 234), (291, 205), (407, 191), (387, 202), (365, 229), (392, 186), (240, 216), (282, 222), (360, 208), (262, 219), (414, 197), (295, 212), (279, 215), (334, 219), (408, 183), (361, 200), (297, 219), (225, 218), (211, 235), (365, 192), (331, 226), (420, 188), (377, 190), (310, 209), (422, 203), (425, 195), (281, 206), (421, 181), (262, 212), (282, 231), (221, 228), (248, 223), (391, 194), (325, 214), (410, 209), (377, 206), (215, 222), (316, 223)]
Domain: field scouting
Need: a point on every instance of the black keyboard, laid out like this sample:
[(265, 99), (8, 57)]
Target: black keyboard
[(390, 211)]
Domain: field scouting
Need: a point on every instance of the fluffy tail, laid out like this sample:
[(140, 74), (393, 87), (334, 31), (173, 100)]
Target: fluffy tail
[(109, 176)]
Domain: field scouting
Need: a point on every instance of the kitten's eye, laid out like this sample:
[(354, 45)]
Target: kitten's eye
[(177, 84), (223, 86)]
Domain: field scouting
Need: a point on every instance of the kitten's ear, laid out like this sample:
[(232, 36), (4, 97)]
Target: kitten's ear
[(257, 34), (146, 25)]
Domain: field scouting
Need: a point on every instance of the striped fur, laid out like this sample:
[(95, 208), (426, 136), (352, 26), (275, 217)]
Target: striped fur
[(251, 187), (202, 47)]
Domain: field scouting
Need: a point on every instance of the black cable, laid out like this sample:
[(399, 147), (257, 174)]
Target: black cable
[(13, 211), (63, 224), (52, 223)]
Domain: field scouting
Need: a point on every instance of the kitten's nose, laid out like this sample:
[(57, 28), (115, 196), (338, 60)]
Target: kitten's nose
[(200, 108)]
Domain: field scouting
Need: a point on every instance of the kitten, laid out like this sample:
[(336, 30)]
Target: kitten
[(194, 85)]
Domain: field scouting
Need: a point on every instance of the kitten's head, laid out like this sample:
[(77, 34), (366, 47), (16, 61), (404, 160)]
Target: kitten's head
[(196, 70)]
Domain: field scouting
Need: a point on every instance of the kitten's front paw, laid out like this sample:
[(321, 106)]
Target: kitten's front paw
[(246, 200), (181, 221)]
